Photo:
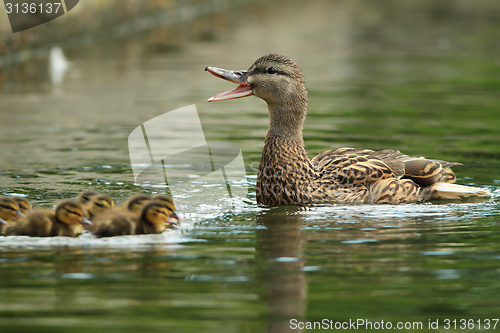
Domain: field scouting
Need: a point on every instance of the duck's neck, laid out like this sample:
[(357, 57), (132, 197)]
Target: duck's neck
[(286, 120), (285, 169)]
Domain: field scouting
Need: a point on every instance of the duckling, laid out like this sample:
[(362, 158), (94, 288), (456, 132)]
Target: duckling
[(169, 203), (24, 204), (85, 200), (9, 211), (153, 219), (136, 202), (100, 204), (117, 222), (287, 176), (66, 220), (155, 216)]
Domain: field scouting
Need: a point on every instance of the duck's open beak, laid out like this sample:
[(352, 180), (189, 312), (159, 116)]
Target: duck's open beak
[(2, 222), (85, 221), (242, 90), (174, 218)]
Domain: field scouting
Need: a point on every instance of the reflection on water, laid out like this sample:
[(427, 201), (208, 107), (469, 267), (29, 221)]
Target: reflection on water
[(280, 243), (419, 76)]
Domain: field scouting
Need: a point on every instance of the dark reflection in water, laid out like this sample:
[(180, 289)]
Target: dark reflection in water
[(280, 245)]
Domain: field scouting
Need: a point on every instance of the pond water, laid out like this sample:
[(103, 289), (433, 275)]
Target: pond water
[(418, 76)]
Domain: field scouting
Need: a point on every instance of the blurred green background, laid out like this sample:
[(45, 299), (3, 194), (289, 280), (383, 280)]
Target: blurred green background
[(419, 76)]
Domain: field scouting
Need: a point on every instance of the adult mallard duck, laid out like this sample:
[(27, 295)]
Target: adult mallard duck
[(65, 220), (287, 176)]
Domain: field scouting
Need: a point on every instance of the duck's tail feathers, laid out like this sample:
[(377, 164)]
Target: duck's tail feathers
[(447, 191)]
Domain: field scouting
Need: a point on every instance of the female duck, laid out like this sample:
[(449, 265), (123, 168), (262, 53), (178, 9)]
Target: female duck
[(286, 174), (66, 220)]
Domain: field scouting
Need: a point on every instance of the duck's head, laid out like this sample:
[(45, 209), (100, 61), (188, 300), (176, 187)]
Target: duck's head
[(136, 203), (100, 204), (86, 197), (174, 218), (156, 213), (9, 209), (24, 204), (277, 80), (71, 213)]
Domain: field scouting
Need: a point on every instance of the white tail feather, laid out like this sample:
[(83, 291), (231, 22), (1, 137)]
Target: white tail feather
[(454, 192)]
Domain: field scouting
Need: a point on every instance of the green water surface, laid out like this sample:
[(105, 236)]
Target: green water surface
[(422, 77)]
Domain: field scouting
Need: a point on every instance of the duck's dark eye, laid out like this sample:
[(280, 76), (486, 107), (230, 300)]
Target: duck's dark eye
[(271, 70)]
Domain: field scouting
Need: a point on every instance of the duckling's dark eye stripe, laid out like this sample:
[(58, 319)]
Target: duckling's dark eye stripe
[(100, 205), (8, 207), (73, 212), (160, 212)]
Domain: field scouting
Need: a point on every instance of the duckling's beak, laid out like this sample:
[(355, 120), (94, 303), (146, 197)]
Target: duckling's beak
[(239, 77), (19, 214), (2, 222), (174, 218), (85, 221)]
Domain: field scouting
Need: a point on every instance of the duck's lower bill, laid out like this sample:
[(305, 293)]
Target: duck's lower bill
[(242, 90)]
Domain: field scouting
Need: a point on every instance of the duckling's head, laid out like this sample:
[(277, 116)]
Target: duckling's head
[(278, 81), (156, 213), (86, 197), (166, 200), (100, 204), (70, 212), (136, 203), (9, 209), (24, 204)]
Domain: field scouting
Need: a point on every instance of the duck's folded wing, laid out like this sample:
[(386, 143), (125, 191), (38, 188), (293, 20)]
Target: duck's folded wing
[(354, 169), (378, 165), (426, 172)]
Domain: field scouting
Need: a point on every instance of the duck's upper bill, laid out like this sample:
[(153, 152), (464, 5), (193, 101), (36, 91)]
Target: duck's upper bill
[(242, 90)]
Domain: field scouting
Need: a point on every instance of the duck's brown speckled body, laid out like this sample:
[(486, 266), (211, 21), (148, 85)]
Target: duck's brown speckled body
[(286, 174)]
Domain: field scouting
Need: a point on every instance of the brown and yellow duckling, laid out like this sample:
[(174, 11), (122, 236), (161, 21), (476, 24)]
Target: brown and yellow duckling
[(9, 212), (24, 204), (169, 203), (100, 204), (85, 200), (154, 219), (117, 222), (65, 220), (287, 176), (136, 202)]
